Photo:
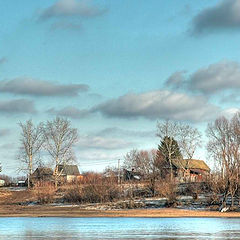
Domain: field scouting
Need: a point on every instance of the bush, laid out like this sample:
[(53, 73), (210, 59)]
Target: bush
[(44, 192), (93, 191), (193, 189), (168, 189)]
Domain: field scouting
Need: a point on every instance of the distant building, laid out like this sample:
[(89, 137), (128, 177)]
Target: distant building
[(41, 174), (131, 175), (21, 183), (2, 182), (190, 170), (68, 173)]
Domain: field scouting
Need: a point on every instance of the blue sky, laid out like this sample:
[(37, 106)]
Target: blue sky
[(115, 68)]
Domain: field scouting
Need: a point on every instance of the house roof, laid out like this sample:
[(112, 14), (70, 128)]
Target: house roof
[(40, 171), (190, 164), (68, 169)]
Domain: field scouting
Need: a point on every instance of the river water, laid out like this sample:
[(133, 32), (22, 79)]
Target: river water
[(119, 228)]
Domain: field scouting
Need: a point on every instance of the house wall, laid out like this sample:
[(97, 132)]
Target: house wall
[(2, 183), (190, 176), (71, 178)]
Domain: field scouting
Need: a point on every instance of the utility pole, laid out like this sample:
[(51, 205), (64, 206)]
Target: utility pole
[(118, 171)]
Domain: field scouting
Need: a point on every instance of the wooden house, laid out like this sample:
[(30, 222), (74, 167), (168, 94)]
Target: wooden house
[(190, 170), (41, 174)]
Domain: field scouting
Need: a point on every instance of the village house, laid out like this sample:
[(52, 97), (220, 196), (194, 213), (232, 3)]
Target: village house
[(68, 173), (190, 170), (41, 174)]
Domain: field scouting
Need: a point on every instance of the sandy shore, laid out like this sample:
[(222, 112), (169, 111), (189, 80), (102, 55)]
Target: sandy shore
[(75, 211)]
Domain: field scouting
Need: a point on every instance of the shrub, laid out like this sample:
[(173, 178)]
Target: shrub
[(193, 189), (44, 192), (93, 191), (168, 189)]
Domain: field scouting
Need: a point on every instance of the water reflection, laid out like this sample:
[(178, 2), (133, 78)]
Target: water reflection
[(119, 228)]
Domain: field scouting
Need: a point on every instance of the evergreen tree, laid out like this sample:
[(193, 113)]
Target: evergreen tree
[(169, 148)]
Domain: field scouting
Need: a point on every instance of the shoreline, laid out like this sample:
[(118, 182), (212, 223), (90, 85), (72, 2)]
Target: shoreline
[(77, 212)]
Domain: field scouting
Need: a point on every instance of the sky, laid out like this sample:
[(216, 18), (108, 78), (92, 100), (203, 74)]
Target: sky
[(114, 69)]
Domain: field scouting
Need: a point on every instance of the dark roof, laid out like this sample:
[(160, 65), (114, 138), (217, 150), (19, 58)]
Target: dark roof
[(190, 164), (129, 175), (68, 170), (40, 171)]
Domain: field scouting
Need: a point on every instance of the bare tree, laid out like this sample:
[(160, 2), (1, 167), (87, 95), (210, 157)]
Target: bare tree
[(224, 147), (189, 140), (175, 134), (59, 140), (144, 162), (31, 141), (139, 160)]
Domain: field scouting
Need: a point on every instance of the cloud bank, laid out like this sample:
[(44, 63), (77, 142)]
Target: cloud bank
[(215, 78), (34, 87), (17, 106), (160, 104)]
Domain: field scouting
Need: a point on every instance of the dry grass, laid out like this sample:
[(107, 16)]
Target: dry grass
[(15, 197)]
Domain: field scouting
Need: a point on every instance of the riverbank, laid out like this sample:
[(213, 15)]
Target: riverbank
[(76, 211)]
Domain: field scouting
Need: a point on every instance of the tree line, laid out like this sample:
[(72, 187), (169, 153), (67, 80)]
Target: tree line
[(56, 138)]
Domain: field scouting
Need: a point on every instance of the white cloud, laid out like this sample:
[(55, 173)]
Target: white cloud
[(216, 77), (70, 8), (160, 104), (69, 14), (176, 80), (229, 112)]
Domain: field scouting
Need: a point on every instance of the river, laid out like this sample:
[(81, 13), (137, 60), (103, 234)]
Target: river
[(119, 228)]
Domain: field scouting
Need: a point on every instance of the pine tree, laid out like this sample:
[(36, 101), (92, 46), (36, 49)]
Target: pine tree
[(169, 149)]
